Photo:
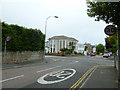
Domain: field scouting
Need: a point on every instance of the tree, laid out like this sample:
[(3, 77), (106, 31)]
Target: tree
[(86, 47), (100, 48), (106, 11), (72, 46), (111, 43)]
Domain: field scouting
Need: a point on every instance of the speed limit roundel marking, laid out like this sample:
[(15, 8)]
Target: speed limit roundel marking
[(110, 30)]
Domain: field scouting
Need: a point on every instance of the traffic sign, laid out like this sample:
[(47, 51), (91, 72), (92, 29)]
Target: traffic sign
[(8, 38), (110, 30)]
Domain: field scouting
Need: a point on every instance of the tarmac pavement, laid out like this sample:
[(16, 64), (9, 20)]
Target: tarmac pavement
[(102, 77)]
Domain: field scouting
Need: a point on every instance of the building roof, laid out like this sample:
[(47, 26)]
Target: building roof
[(62, 37)]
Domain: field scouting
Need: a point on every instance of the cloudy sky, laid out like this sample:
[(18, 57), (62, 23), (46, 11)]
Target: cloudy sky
[(72, 20)]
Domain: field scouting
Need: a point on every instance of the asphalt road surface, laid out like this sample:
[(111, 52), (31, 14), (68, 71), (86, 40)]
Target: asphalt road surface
[(57, 72)]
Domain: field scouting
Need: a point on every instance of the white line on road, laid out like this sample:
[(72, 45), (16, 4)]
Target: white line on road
[(11, 78), (47, 69), (74, 62)]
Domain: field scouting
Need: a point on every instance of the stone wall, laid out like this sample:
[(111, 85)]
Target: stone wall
[(17, 57)]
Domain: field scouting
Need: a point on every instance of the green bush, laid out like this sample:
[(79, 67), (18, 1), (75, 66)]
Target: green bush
[(75, 52), (22, 39), (68, 52), (81, 53)]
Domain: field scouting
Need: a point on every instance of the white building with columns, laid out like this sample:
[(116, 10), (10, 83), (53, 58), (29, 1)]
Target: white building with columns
[(55, 43)]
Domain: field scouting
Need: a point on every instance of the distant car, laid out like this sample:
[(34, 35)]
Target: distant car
[(92, 54), (106, 55)]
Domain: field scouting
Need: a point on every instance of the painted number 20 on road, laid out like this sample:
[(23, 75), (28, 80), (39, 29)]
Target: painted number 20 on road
[(56, 76)]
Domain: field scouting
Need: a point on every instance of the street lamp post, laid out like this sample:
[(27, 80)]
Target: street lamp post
[(46, 23), (46, 27)]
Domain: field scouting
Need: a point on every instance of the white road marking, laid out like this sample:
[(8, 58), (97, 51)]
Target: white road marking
[(55, 59), (47, 69), (51, 56), (61, 75), (11, 78), (73, 62), (76, 61), (54, 67)]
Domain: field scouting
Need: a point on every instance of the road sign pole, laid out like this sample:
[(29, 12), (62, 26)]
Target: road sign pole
[(8, 38), (118, 54), (5, 51)]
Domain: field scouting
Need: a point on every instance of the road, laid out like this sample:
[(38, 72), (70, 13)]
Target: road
[(57, 72)]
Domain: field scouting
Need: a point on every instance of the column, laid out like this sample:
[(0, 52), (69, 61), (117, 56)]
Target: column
[(52, 46), (59, 45), (65, 44), (62, 43), (68, 44), (56, 46)]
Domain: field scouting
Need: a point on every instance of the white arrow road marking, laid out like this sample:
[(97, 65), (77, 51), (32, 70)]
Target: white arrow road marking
[(11, 78)]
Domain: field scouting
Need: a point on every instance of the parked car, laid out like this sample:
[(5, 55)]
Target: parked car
[(106, 55), (61, 54), (93, 54)]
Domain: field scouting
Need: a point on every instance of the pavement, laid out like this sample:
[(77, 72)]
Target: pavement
[(101, 77)]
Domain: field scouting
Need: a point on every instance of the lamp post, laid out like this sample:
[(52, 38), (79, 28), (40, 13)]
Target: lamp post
[(46, 23), (46, 27)]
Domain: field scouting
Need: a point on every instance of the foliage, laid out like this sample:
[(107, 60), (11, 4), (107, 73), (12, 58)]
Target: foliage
[(81, 53), (86, 47), (75, 52), (110, 13), (63, 49), (100, 48), (106, 11), (68, 51), (22, 39), (72, 46), (111, 43)]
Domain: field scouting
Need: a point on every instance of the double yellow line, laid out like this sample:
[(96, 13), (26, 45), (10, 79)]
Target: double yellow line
[(84, 76)]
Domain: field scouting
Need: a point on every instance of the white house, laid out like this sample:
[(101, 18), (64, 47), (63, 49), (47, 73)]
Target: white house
[(55, 43), (80, 48)]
